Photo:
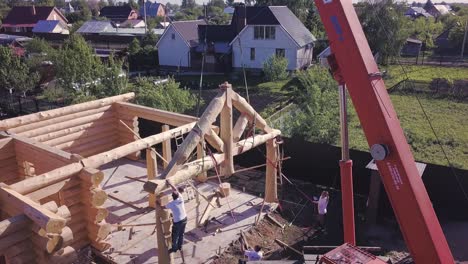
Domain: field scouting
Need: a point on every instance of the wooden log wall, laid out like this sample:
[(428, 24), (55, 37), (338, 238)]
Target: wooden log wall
[(8, 164), (15, 243), (34, 159), (127, 129)]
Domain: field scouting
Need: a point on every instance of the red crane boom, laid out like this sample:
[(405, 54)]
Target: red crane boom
[(356, 67)]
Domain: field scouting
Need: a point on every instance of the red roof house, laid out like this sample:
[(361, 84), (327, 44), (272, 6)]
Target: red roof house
[(23, 18)]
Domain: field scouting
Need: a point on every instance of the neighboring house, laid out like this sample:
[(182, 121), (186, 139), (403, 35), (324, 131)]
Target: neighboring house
[(106, 38), (163, 25), (22, 19), (177, 43), (416, 12), (16, 43), (411, 48), (51, 27), (133, 23), (215, 45), (264, 31), (437, 10), (323, 57), (68, 9), (153, 9), (118, 13)]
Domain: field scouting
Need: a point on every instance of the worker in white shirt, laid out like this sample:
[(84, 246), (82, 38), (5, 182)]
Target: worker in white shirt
[(254, 255), (322, 204), (179, 217)]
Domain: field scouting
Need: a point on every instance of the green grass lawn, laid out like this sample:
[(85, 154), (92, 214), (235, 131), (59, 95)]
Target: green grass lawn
[(450, 121), (423, 73)]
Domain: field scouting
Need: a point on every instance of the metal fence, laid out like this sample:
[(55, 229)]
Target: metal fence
[(12, 105)]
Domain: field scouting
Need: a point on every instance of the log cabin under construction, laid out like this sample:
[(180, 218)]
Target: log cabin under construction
[(53, 164)]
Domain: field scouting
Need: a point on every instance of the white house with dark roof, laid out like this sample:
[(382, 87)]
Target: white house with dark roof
[(255, 34), (177, 42), (264, 31)]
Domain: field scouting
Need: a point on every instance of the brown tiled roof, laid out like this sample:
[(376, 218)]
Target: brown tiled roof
[(25, 14)]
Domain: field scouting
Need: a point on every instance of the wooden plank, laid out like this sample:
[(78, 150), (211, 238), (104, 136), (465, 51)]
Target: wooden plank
[(271, 180), (28, 119), (207, 211), (14, 203)]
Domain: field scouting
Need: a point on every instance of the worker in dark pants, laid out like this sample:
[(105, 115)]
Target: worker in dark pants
[(179, 217)]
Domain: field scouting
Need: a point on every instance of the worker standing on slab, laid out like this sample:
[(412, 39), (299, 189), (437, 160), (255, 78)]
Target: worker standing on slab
[(179, 217), (254, 255), (322, 204)]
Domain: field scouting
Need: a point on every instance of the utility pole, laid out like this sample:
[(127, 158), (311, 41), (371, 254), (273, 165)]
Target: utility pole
[(144, 14), (464, 40)]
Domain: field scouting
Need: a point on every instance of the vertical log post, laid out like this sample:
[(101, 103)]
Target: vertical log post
[(202, 177), (152, 171), (271, 194), (227, 167), (163, 232), (166, 146)]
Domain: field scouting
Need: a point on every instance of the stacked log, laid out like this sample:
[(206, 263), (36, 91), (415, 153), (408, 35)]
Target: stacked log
[(8, 164), (93, 198), (47, 246), (127, 129)]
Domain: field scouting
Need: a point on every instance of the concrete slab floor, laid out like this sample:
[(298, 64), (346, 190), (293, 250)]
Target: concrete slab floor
[(138, 244)]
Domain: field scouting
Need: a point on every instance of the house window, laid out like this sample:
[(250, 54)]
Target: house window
[(173, 36), (259, 32), (280, 53), (264, 32), (252, 53), (270, 32)]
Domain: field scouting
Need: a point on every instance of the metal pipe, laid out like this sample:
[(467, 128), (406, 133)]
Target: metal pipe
[(344, 123), (346, 172)]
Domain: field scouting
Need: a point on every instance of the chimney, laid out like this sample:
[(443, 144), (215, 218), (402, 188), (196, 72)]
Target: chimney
[(241, 17), (33, 10)]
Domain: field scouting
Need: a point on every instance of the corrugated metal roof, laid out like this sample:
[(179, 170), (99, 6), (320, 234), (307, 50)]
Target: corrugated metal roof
[(94, 27), (47, 26)]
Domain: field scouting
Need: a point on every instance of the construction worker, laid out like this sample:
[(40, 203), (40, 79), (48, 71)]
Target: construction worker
[(179, 217), (322, 204), (254, 255)]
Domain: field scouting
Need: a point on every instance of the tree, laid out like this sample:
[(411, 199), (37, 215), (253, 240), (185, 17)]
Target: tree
[(217, 3), (76, 65), (275, 68), (299, 7), (114, 81), (133, 4), (188, 3), (314, 23), (317, 118), (384, 25), (425, 29), (15, 73), (166, 96), (134, 47), (230, 2)]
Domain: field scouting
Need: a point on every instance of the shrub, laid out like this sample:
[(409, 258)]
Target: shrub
[(275, 68), (166, 96)]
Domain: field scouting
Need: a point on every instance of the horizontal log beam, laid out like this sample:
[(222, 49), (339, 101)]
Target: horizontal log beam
[(80, 135), (122, 151), (156, 115), (192, 169), (14, 203), (28, 119), (26, 144)]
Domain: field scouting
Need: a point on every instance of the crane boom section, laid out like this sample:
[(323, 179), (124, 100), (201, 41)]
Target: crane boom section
[(405, 188)]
